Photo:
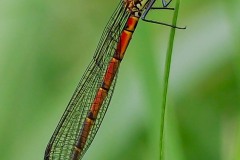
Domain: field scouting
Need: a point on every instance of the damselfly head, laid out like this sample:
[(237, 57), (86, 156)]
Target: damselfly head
[(135, 6)]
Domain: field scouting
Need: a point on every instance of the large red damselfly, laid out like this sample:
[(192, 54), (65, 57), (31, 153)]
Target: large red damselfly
[(88, 105)]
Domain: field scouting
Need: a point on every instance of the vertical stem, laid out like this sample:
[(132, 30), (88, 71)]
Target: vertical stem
[(166, 76)]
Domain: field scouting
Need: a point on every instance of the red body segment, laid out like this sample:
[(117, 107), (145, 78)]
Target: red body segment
[(85, 131), (82, 141), (110, 73), (126, 37), (100, 96), (132, 23), (123, 44)]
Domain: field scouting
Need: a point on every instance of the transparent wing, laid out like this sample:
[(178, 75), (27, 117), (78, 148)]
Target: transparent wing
[(165, 3), (64, 137)]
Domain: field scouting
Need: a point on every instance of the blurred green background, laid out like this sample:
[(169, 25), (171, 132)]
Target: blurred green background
[(45, 47)]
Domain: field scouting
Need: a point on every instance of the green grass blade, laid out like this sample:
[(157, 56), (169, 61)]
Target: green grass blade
[(166, 76)]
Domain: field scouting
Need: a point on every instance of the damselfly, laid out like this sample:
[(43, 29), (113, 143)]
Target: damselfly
[(88, 105)]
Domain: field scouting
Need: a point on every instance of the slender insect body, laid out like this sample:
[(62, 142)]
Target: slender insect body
[(108, 78), (88, 105)]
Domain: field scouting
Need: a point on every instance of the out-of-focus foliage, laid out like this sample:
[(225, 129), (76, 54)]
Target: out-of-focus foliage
[(46, 45)]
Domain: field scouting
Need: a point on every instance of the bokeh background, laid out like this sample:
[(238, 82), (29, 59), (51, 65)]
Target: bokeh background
[(45, 47)]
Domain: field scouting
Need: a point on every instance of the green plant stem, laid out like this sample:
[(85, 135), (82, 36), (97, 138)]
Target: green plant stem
[(166, 76)]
